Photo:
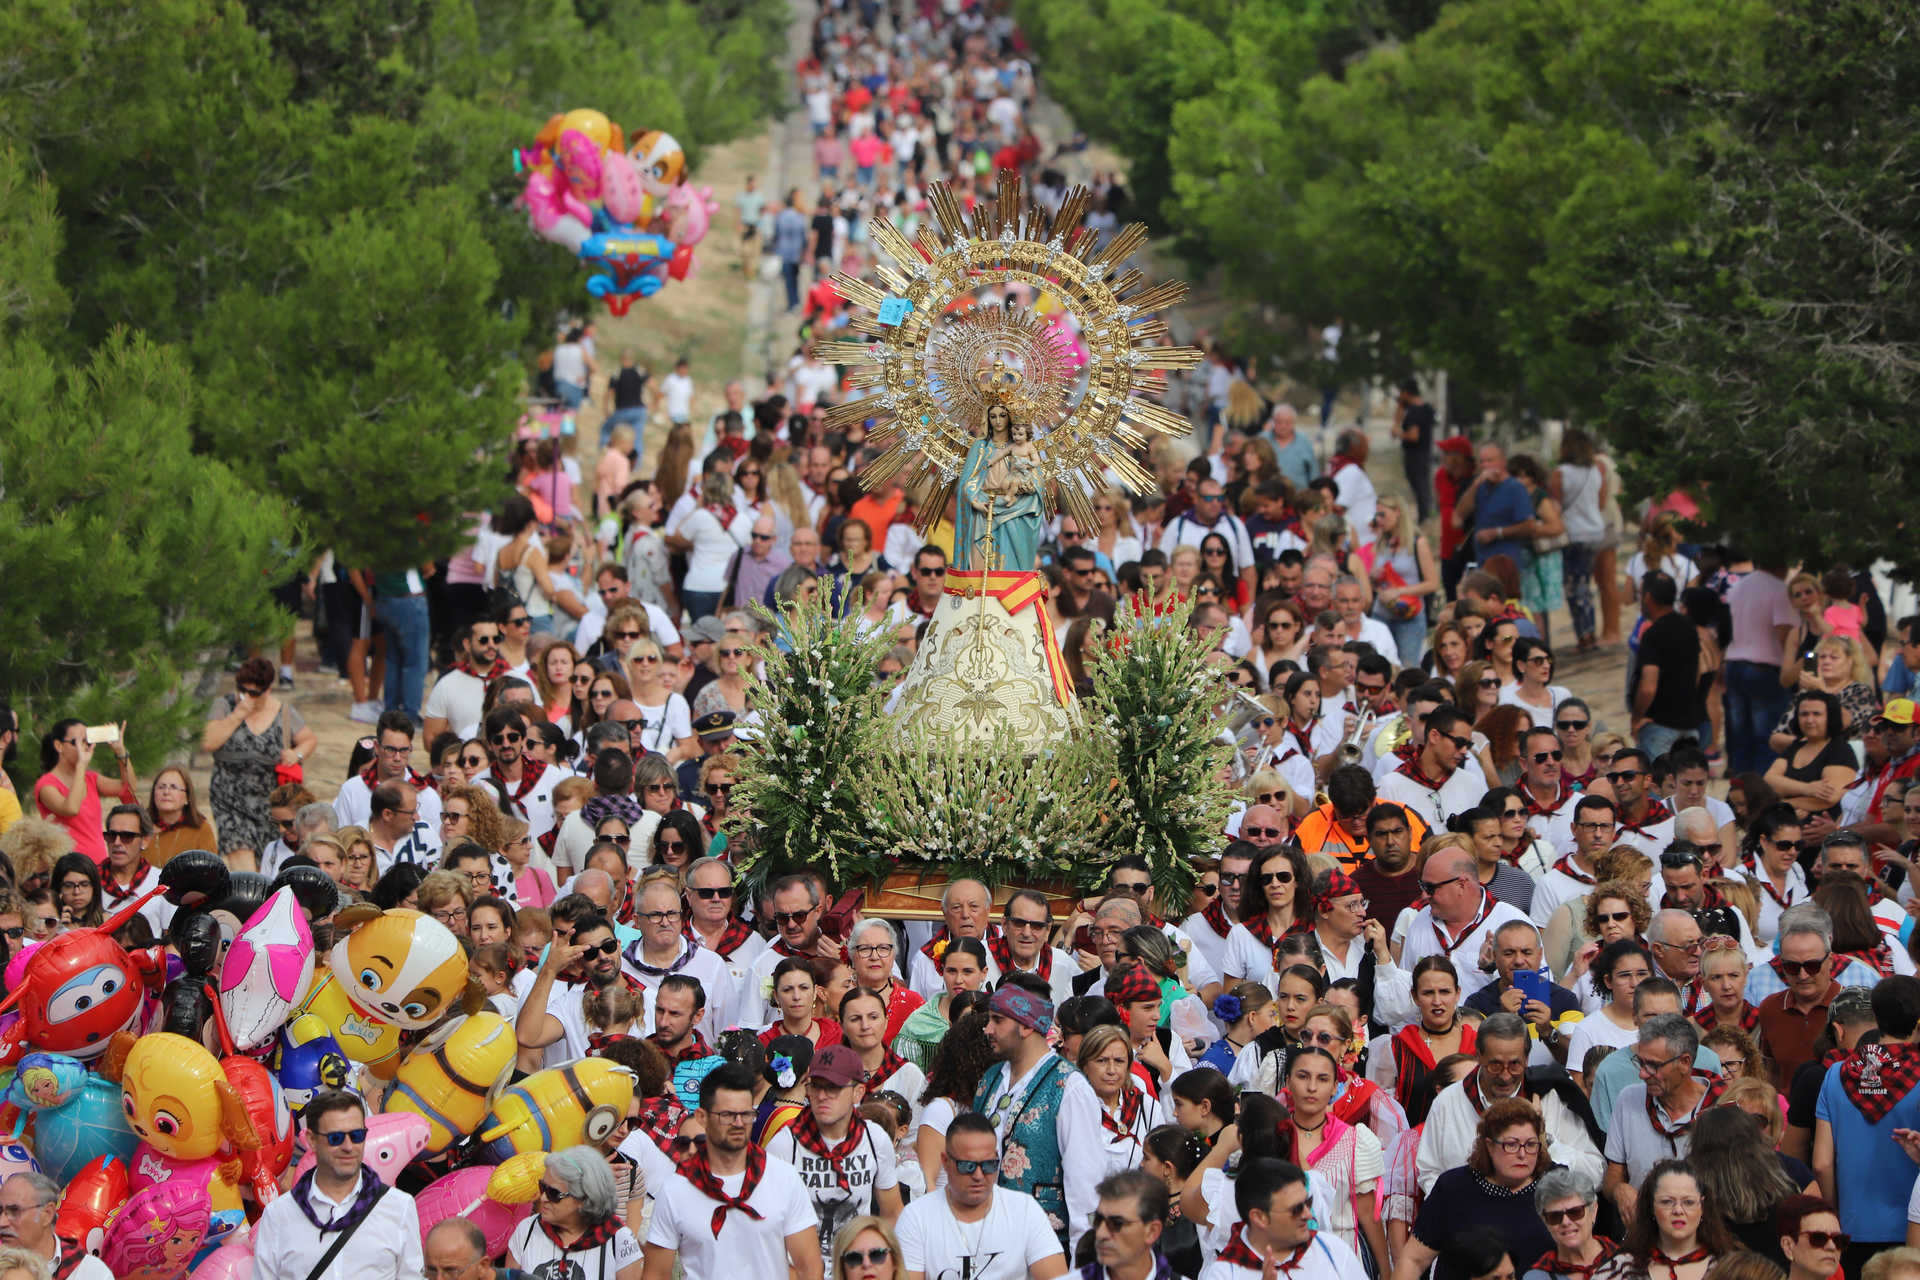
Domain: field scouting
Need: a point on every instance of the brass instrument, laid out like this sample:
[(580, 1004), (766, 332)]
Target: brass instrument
[(1355, 746)]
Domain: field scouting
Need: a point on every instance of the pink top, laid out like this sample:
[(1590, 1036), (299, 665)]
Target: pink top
[(1758, 603), (828, 153), (866, 150), (1846, 620), (551, 484), (84, 826), (533, 887)]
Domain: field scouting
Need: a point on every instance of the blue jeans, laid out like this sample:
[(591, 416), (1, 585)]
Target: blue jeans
[(1409, 637), (635, 417), (409, 644), (701, 604), (790, 273), (1576, 575), (571, 393), (1754, 701), (1656, 740)]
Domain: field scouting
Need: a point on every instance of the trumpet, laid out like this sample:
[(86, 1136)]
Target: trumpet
[(1355, 745)]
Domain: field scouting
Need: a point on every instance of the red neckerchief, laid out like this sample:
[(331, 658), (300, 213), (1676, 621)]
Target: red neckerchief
[(1711, 899), (1340, 462), (1001, 949), (1131, 1100), (1448, 948), (1707, 1020), (1215, 914), (1567, 868), (1554, 1265), (114, 893), (1412, 768), (599, 1234), (1759, 876), (936, 948), (1240, 1255), (1262, 930), (1410, 1042), (779, 947), (661, 1117), (1673, 1265), (1657, 812), (1356, 1104), (1535, 810), (530, 771), (697, 1169), (1879, 958), (736, 935), (890, 1062), (419, 781), (710, 825), (694, 1046), (806, 1131), (725, 514), (1570, 779), (598, 1040), (498, 669), (1714, 1085), (1879, 1075), (1304, 737)]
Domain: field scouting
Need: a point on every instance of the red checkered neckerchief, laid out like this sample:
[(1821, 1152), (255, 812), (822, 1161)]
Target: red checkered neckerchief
[(530, 771), (594, 1237), (890, 1062), (1001, 949), (1440, 934), (1673, 1265), (1878, 958), (1237, 1252), (1412, 768), (598, 1041), (806, 1131), (697, 1169), (1878, 1076), (661, 1117), (1131, 1101), (1534, 809), (1566, 867), (1554, 1265), (1215, 914), (1657, 812), (736, 935), (492, 673), (1707, 1020), (1712, 1086), (1470, 1085), (116, 895), (420, 782), (1302, 735), (780, 947), (1262, 929), (694, 1046), (1758, 876)]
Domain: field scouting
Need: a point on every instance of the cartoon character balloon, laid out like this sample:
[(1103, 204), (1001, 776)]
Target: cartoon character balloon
[(189, 1119), (76, 1114), (307, 1059), (267, 970), (272, 1123), (90, 1199), (394, 1141), (155, 1235), (559, 1107), (402, 967), (464, 1194), (453, 1076)]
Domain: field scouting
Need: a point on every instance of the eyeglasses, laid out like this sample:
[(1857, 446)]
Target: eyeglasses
[(447, 915), (1541, 757), (1015, 922), (724, 891), (988, 1168), (1266, 878), (1732, 1067), (1518, 1146), (1325, 1039), (1646, 1068), (1570, 726), (1619, 776), (735, 1117), (872, 1257), (1554, 1217), (1693, 948), (1667, 1204), (338, 1136), (874, 950), (1802, 968), (17, 1210), (1256, 833), (552, 1194), (470, 762), (1431, 889), (1828, 1239), (1111, 1221), (506, 738)]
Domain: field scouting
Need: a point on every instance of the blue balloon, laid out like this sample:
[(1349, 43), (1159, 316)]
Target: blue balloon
[(91, 1124)]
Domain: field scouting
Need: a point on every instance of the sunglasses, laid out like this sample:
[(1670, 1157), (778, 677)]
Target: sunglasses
[(1802, 968), (785, 918), (607, 948), (1827, 1239), (506, 739), (1613, 917), (581, 677), (551, 1194), (1266, 878), (1541, 757), (1135, 887), (1570, 726), (1206, 890), (869, 1257), (1111, 1221), (466, 762), (251, 692), (622, 841), (1490, 682), (723, 892), (1431, 889), (1784, 846), (1619, 776), (671, 846), (118, 837), (1462, 743), (338, 1136), (991, 1168), (1258, 833)]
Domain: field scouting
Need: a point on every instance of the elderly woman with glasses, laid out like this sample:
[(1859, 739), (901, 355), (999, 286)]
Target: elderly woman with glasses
[(1569, 1204), (727, 691), (1493, 1191), (577, 1229), (446, 895)]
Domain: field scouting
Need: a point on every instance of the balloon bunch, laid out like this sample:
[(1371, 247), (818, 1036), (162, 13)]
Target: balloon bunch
[(623, 210)]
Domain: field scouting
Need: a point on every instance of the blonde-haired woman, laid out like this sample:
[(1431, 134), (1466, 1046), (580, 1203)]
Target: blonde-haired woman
[(470, 813), (867, 1249), (359, 864), (667, 720), (789, 498), (1840, 668), (1183, 568), (1119, 539), (670, 474), (1264, 786), (615, 468), (1403, 572)]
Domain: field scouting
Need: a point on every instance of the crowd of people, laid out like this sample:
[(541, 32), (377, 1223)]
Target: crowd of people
[(1485, 980)]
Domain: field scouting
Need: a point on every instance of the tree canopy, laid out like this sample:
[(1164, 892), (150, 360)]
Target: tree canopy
[(1664, 219)]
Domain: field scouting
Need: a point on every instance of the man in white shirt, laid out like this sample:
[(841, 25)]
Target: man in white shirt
[(1459, 919), (397, 833), (1549, 801), (529, 783), (974, 1228), (1846, 851), (1209, 928), (1275, 1234), (612, 585), (1131, 874), (1209, 515), (1353, 488), (846, 1160), (29, 1202), (338, 1195), (663, 949), (455, 701), (677, 387), (966, 909), (1349, 601), (1502, 1048), (1442, 779), (393, 744), (1027, 920), (1645, 821), (1574, 874), (552, 1011), (128, 875), (796, 910)]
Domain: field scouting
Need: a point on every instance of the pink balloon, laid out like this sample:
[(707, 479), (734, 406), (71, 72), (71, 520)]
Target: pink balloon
[(228, 1262), (157, 1232), (620, 190), (463, 1194), (267, 970)]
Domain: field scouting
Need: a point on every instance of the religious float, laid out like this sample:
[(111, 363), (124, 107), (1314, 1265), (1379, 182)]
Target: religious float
[(993, 415)]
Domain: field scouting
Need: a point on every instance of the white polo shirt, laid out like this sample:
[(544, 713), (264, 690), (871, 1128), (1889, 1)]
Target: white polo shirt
[(286, 1244), (1326, 1257), (537, 803), (743, 1247)]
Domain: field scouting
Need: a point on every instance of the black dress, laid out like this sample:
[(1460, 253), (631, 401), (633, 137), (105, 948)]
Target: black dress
[(1835, 752), (1462, 1201)]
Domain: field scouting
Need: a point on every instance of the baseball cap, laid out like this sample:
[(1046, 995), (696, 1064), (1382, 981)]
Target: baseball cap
[(706, 631), (1897, 711), (837, 1065)]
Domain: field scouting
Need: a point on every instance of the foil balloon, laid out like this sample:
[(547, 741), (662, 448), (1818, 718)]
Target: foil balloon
[(75, 991), (15, 1158), (559, 1107), (229, 1262), (267, 970), (624, 199), (402, 967), (90, 1198), (272, 1124), (451, 1078), (307, 1059), (178, 1102), (80, 1125), (319, 896), (394, 1141), (155, 1235), (356, 1036), (463, 1194)]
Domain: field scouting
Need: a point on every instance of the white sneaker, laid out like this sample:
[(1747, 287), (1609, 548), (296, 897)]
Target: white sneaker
[(365, 712)]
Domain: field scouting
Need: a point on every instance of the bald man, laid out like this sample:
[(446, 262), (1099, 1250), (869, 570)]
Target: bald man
[(1459, 920), (1262, 826), (966, 907)]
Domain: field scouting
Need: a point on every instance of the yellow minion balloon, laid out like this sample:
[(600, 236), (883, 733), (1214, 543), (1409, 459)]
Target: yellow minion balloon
[(452, 1077), (559, 1107)]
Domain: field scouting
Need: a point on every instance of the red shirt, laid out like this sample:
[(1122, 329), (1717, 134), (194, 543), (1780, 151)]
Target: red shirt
[(1447, 492)]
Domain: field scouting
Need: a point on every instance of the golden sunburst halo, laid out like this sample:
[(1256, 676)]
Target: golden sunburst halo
[(923, 367)]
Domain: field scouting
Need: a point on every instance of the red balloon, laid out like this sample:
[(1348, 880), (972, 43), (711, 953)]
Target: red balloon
[(272, 1122), (90, 1199)]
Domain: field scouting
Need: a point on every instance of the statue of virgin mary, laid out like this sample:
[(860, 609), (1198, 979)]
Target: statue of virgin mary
[(997, 524)]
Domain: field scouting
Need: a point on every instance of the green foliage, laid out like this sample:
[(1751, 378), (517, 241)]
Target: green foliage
[(1159, 765)]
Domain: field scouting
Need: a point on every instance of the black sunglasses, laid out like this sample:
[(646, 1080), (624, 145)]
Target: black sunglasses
[(871, 1257), (724, 891)]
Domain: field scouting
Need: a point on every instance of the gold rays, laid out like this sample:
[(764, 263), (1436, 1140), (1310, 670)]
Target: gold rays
[(921, 371)]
